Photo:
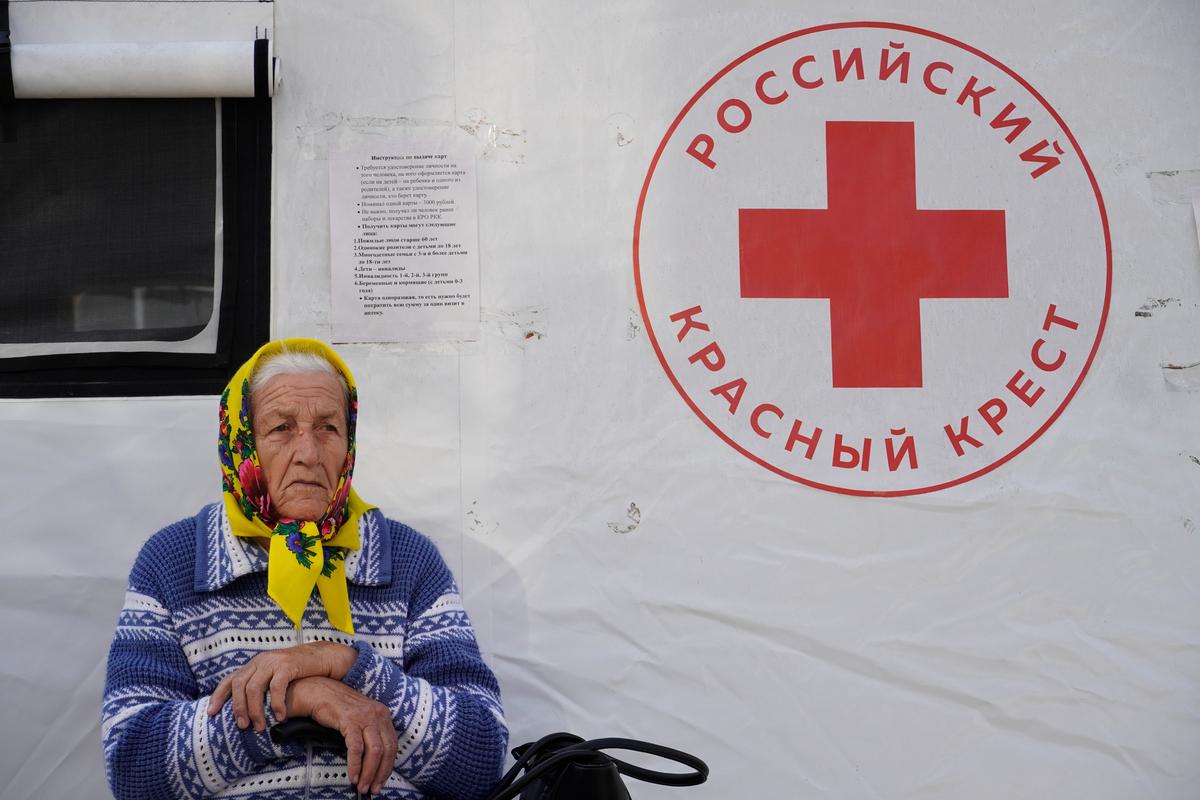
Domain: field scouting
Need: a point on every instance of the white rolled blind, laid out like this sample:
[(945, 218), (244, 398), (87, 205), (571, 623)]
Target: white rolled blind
[(161, 48)]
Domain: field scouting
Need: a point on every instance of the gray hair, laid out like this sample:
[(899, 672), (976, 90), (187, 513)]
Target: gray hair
[(295, 362)]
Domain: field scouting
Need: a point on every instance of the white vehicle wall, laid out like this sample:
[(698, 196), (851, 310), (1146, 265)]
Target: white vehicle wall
[(1033, 632)]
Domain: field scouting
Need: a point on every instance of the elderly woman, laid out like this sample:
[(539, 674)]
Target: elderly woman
[(222, 636)]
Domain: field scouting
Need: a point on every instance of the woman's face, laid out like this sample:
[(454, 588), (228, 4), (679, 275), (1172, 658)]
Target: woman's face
[(299, 424)]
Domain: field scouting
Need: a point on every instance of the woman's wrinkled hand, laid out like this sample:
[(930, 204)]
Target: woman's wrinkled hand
[(275, 670), (365, 724)]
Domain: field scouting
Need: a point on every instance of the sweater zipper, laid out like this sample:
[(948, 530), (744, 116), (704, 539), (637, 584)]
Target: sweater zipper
[(307, 768), (308, 748)]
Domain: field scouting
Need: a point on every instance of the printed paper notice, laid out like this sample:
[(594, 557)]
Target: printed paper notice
[(404, 239)]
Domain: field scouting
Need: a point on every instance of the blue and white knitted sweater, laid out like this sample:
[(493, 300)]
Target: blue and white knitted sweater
[(197, 608)]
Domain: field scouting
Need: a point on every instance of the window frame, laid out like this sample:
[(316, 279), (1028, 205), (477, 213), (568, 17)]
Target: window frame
[(243, 306)]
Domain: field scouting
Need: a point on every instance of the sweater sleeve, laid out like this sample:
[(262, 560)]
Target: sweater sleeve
[(444, 700), (158, 738)]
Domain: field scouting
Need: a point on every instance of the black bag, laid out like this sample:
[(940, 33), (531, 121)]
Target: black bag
[(562, 766)]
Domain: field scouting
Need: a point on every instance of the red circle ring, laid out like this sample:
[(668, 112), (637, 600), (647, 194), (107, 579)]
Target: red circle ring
[(637, 271)]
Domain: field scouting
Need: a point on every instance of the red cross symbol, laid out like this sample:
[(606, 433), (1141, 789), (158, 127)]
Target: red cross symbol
[(873, 254)]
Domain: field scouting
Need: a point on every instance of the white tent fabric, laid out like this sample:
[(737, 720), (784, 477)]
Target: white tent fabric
[(1033, 632)]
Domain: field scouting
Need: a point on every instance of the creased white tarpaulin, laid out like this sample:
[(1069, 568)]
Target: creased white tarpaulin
[(168, 69)]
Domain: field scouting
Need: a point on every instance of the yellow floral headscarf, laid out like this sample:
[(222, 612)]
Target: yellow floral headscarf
[(303, 554)]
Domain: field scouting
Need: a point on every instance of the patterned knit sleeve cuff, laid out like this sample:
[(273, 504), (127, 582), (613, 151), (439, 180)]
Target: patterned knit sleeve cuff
[(260, 747), (372, 674), (364, 665)]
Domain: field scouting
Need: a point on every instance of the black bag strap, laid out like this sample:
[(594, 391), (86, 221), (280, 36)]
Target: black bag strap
[(550, 741), (510, 785), (571, 748), (698, 775)]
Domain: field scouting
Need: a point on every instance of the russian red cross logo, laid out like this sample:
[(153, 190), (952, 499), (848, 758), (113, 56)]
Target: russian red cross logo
[(872, 259)]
